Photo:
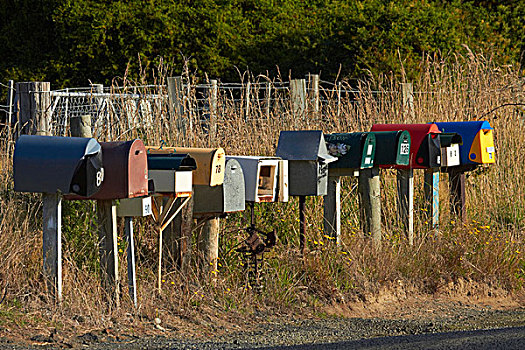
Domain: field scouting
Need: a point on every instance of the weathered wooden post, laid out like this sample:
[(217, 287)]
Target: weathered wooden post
[(34, 117), (408, 99), (457, 193), (332, 209), (247, 96), (431, 189), (268, 99), (369, 185), (212, 96), (298, 97), (208, 242), (175, 96), (315, 92)]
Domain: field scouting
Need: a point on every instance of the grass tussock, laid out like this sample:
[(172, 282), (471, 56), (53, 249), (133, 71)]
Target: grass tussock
[(487, 249)]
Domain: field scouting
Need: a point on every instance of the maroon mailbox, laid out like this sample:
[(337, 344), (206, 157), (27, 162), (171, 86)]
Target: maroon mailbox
[(125, 171), (425, 148)]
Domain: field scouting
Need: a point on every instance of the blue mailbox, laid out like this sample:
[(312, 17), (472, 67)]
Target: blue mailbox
[(478, 141)]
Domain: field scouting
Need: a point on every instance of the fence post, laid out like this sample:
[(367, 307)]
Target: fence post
[(213, 111), (10, 96), (405, 190), (332, 209), (369, 184), (34, 115), (408, 99), (247, 97), (315, 88), (338, 99), (175, 103), (298, 96), (268, 99)]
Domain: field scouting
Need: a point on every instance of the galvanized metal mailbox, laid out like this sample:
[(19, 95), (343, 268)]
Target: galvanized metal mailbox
[(265, 178), (308, 161), (171, 173), (51, 164), (221, 199), (134, 207), (425, 148), (210, 163), (392, 148), (478, 141), (354, 151), (126, 171)]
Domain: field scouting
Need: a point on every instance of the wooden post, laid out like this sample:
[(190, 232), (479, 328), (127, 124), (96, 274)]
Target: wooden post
[(268, 99), (302, 225), (408, 99), (108, 249), (132, 277), (431, 187), (208, 243), (81, 126), (178, 236), (338, 99), (175, 103), (315, 97), (298, 97), (34, 115), (405, 190), (213, 111), (457, 193), (332, 209), (369, 184), (10, 101), (247, 97), (52, 243)]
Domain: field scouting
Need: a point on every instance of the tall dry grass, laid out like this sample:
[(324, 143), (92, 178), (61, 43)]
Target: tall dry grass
[(489, 248)]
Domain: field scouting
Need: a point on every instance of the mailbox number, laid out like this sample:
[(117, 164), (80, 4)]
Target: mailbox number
[(405, 147), (218, 169), (100, 177)]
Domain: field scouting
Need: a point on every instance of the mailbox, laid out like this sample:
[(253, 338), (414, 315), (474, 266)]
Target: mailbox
[(171, 173), (210, 163), (392, 148), (353, 151), (221, 199), (308, 161), (450, 143), (425, 147), (265, 178), (51, 164), (126, 171), (478, 141), (133, 207)]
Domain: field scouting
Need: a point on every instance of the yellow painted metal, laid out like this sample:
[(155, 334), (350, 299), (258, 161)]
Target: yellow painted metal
[(482, 149), (210, 162)]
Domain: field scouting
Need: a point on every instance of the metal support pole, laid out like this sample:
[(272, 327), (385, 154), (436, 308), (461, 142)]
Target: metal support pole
[(132, 277), (405, 190), (302, 225)]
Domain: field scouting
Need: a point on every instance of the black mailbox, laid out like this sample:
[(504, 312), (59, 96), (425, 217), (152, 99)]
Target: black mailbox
[(392, 148), (51, 164)]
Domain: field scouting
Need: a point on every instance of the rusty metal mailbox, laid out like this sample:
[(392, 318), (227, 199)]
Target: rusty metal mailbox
[(226, 198), (51, 164), (210, 162), (265, 178), (126, 171), (308, 161)]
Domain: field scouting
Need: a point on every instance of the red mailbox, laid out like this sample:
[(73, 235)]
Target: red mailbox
[(126, 171), (425, 148)]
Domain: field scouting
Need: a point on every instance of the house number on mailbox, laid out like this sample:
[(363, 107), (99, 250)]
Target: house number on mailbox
[(405, 148), (100, 177)]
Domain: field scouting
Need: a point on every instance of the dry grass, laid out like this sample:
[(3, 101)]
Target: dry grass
[(488, 249)]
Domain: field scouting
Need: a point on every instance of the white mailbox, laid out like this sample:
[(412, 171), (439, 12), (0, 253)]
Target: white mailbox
[(133, 207), (265, 178)]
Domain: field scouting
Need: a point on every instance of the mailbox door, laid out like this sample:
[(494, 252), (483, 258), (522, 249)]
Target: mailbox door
[(267, 185), (354, 151), (450, 155), (392, 148), (425, 146), (482, 150), (50, 164), (306, 178)]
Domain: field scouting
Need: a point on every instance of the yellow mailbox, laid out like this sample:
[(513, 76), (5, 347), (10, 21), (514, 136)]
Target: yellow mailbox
[(210, 162)]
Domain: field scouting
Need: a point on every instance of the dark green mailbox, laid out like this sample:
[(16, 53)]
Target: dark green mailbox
[(392, 148), (354, 151)]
